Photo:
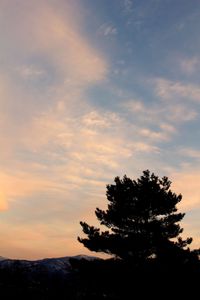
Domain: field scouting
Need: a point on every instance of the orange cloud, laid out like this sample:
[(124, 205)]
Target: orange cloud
[(23, 184), (54, 33)]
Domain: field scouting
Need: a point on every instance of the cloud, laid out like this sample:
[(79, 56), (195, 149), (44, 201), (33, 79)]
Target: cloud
[(94, 119), (50, 65), (76, 152), (107, 29), (173, 105), (181, 113), (128, 6), (83, 138), (158, 121), (135, 105), (189, 65), (168, 128), (31, 71), (191, 153), (55, 63), (145, 147), (170, 112), (44, 32), (168, 89), (153, 135)]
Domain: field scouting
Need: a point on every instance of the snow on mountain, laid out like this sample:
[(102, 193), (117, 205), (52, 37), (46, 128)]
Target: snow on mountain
[(59, 265), (2, 258)]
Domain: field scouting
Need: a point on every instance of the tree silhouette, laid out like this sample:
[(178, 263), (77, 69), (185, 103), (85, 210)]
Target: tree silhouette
[(142, 222)]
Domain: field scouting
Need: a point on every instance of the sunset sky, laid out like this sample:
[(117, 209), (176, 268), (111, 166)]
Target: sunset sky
[(90, 90)]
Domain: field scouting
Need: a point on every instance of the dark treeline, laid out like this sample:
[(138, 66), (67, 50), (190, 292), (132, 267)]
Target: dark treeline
[(115, 279), (103, 279), (143, 236)]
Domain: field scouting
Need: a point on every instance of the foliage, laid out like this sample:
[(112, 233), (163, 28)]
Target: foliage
[(142, 222)]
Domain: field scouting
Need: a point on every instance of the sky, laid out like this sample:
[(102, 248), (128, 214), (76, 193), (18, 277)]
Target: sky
[(91, 90)]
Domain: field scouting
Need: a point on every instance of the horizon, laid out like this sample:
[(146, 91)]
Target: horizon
[(91, 90)]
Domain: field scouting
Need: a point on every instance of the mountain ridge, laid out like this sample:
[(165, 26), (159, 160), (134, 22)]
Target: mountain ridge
[(59, 265)]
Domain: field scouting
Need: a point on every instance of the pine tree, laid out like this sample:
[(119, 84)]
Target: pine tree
[(142, 221)]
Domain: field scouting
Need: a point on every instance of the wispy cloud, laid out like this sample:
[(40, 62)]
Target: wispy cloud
[(95, 119), (168, 89), (128, 6), (31, 71), (168, 128), (44, 111), (107, 29), (49, 47), (153, 135), (190, 65), (135, 105), (170, 112), (160, 120), (190, 152), (53, 40)]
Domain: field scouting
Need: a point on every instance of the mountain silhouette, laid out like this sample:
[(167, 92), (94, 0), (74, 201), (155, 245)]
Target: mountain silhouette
[(48, 278)]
